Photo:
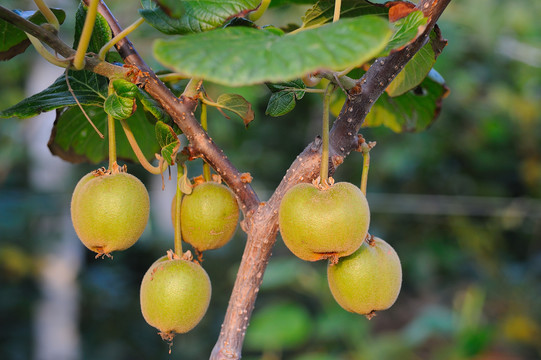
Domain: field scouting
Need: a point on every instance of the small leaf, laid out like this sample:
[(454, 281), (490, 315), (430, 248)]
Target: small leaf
[(238, 105), (284, 97), (73, 139), (414, 72), (322, 12), (196, 17), (239, 56), (168, 141), (14, 41), (101, 33), (153, 107), (407, 30), (121, 103), (413, 111)]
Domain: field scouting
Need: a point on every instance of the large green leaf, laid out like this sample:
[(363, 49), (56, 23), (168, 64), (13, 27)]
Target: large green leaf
[(73, 139), (323, 11), (197, 16), (239, 56), (412, 111), (89, 88), (14, 41)]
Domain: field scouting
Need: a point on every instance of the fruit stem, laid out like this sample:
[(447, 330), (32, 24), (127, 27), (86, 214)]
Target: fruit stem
[(365, 149), (111, 134), (105, 48), (324, 168), (178, 235), (337, 6), (46, 54), (47, 13), (156, 170), (204, 125), (193, 88), (86, 34)]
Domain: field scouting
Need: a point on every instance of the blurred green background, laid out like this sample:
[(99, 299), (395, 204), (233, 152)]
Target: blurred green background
[(460, 202)]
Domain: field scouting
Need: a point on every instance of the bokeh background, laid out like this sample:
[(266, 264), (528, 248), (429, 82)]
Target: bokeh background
[(460, 202)]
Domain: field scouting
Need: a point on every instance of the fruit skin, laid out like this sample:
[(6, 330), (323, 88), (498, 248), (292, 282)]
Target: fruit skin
[(323, 223), (208, 216), (175, 295), (368, 280), (109, 211)]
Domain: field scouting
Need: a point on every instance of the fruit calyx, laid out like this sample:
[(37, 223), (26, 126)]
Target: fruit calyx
[(323, 185)]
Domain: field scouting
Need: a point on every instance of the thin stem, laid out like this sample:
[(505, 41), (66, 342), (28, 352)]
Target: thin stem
[(193, 88), (105, 48), (324, 169), (178, 201), (366, 167), (111, 134), (47, 13), (337, 6), (86, 34), (204, 125), (172, 77), (156, 170), (46, 54)]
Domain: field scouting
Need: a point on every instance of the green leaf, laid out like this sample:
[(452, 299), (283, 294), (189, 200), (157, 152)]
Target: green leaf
[(414, 72), (198, 15), (279, 327), (89, 88), (153, 107), (323, 11), (239, 56), (121, 103), (173, 8), (284, 97), (413, 111), (14, 41), (100, 35), (237, 105), (73, 139), (407, 30), (168, 141)]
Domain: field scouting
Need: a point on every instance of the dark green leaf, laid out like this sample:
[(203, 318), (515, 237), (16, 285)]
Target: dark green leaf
[(198, 16), (237, 105), (89, 88), (73, 138), (239, 56), (279, 327), (121, 103), (323, 11), (284, 97), (168, 141), (14, 41), (413, 111), (100, 35), (152, 107), (173, 8)]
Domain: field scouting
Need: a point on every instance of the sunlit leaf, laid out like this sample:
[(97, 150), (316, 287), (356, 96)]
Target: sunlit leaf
[(238, 105), (243, 56), (197, 15)]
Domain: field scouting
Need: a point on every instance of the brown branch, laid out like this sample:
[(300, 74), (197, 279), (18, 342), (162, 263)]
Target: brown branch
[(48, 37)]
